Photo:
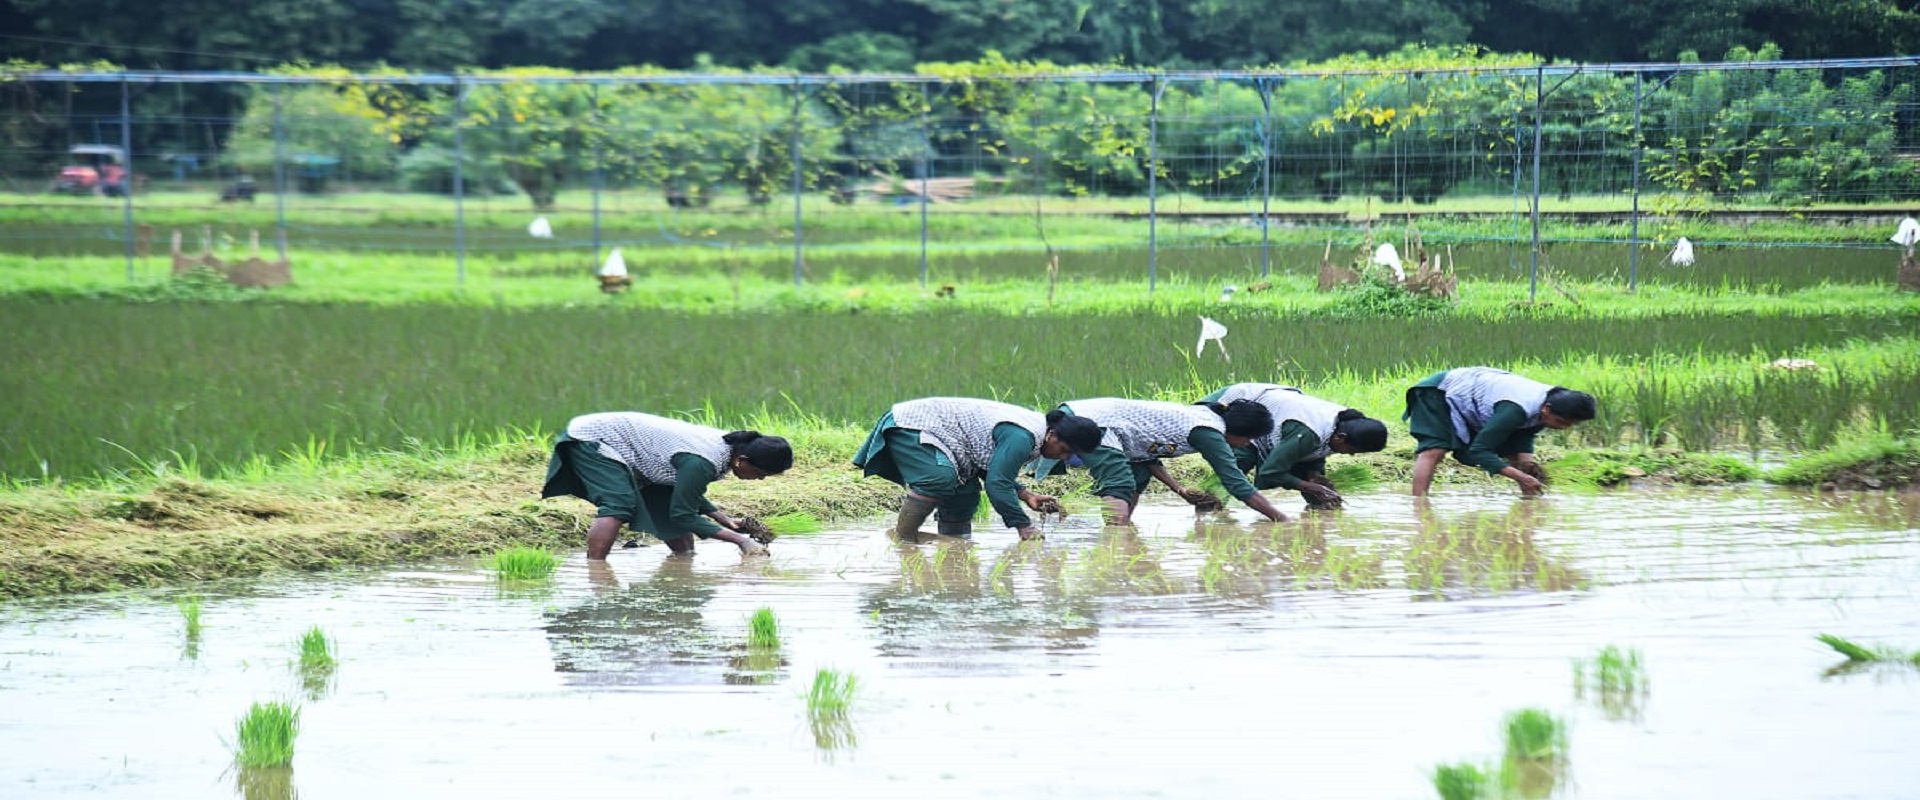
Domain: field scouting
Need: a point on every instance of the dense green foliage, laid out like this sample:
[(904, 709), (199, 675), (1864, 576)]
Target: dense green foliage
[(891, 34)]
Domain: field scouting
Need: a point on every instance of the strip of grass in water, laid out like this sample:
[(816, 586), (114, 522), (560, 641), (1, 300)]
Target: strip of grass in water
[(1597, 468), (763, 630), (523, 564), (264, 737), (1876, 462), (1855, 651), (832, 693)]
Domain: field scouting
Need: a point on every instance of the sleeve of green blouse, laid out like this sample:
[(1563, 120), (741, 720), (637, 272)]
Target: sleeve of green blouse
[(1012, 445), (1484, 452), (1215, 397), (1214, 448), (1296, 442), (691, 475)]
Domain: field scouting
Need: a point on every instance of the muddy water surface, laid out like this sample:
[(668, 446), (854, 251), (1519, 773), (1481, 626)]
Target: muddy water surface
[(1341, 657)]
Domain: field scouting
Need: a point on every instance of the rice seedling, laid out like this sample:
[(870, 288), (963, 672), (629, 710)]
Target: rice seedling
[(794, 522), (1616, 678), (832, 693), (523, 564), (1856, 652), (264, 737), (1353, 477), (763, 630), (190, 613), (316, 663), (1535, 734), (1463, 781)]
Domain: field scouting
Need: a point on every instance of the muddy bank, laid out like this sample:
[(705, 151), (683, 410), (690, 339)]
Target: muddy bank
[(63, 539)]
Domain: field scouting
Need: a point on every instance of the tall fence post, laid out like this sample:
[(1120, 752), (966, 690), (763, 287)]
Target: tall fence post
[(126, 179), (599, 167), (1539, 100), (799, 260), (279, 171), (1153, 171), (459, 184), (1266, 173), (925, 168)]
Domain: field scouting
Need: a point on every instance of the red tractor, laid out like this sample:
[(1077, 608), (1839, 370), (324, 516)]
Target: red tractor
[(94, 169)]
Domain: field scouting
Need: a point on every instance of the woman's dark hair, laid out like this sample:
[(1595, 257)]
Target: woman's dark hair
[(769, 454), (1364, 434), (1079, 433), (1244, 418), (1576, 406)]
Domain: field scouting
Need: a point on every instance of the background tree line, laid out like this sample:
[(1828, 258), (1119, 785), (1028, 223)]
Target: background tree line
[(882, 35)]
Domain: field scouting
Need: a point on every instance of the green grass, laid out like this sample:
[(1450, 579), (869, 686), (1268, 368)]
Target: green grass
[(1534, 734), (763, 630), (523, 564), (1887, 460), (832, 693), (1613, 669), (265, 736)]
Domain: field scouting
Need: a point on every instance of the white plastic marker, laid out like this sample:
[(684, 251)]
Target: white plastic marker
[(540, 228), (1682, 253), (615, 266), (1214, 331), (1388, 257), (1909, 232)]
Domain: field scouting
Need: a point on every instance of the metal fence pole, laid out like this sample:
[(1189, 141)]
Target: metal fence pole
[(599, 168), (1539, 99), (926, 165), (1633, 237), (459, 185), (1153, 170), (126, 179), (799, 259), (1266, 174), (279, 172)]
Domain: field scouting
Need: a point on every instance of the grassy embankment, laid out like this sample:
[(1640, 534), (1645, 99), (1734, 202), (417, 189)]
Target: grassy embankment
[(206, 438)]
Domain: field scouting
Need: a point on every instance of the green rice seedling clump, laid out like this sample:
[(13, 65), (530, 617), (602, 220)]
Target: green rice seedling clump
[(832, 693), (1353, 477), (190, 612), (794, 522), (1535, 734), (1613, 669), (524, 563), (1463, 781), (316, 651), (264, 737), (1870, 463), (763, 630)]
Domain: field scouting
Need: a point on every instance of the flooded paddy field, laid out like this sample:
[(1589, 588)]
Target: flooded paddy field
[(1345, 655)]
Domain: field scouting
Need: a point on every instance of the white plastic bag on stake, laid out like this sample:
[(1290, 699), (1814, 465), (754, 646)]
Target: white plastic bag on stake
[(1682, 253), (540, 228), (1388, 257), (616, 267), (1214, 332), (1909, 232)]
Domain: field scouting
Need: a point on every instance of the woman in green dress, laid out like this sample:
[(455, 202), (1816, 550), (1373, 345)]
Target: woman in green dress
[(945, 450), (652, 473), (1140, 433), (1306, 430), (1488, 418)]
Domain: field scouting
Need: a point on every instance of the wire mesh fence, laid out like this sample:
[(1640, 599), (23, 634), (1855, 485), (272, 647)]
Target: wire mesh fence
[(905, 169)]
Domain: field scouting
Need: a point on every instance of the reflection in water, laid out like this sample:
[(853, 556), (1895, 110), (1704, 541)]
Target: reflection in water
[(1253, 560), (1119, 562), (942, 613), (832, 733), (1531, 778), (265, 783), (1484, 551), (646, 633)]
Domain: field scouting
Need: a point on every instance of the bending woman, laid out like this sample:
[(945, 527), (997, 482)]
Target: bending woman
[(942, 449), (652, 473), (1139, 433), (1488, 418), (1307, 429)]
